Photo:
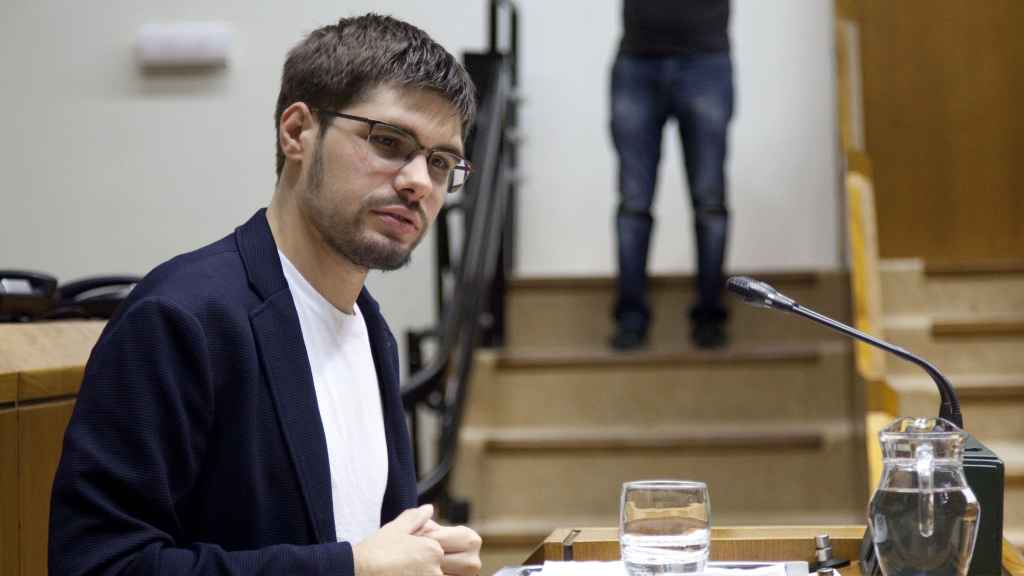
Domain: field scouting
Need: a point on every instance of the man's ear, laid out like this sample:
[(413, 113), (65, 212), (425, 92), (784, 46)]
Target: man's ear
[(297, 131)]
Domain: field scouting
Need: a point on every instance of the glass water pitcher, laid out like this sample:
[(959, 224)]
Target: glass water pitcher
[(923, 516)]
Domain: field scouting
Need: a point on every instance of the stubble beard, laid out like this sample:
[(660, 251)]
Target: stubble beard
[(348, 236)]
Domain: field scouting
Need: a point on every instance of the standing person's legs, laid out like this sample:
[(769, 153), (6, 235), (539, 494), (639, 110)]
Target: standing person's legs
[(637, 116), (702, 92)]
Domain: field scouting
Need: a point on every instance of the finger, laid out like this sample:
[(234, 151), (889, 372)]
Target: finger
[(461, 564), (455, 539), (427, 528), (412, 520)]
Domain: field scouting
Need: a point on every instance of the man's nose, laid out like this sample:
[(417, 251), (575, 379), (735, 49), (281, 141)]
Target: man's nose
[(413, 180)]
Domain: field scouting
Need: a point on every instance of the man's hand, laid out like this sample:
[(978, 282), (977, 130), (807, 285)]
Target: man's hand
[(398, 550), (461, 547)]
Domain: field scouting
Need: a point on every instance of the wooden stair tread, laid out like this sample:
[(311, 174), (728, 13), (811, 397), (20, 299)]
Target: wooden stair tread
[(1012, 455), (724, 436), (973, 387), (665, 355), (992, 267), (1004, 325), (790, 279)]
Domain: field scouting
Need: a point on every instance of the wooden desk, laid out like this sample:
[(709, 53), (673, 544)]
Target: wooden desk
[(757, 543), (41, 367)]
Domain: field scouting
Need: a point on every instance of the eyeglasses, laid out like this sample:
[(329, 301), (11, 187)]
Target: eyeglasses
[(397, 147)]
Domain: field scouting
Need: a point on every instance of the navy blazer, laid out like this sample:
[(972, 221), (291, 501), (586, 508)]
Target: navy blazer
[(196, 445)]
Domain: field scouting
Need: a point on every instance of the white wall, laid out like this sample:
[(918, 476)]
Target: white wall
[(782, 171), (108, 170)]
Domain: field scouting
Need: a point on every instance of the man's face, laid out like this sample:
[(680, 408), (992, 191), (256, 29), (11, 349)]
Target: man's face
[(364, 208)]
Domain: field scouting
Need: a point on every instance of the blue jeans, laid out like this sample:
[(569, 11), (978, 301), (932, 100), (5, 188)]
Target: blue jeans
[(697, 91)]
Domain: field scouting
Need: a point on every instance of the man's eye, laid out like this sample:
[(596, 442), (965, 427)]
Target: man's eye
[(441, 162), (383, 141)]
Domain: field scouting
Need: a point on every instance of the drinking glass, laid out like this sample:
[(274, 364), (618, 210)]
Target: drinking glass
[(664, 527)]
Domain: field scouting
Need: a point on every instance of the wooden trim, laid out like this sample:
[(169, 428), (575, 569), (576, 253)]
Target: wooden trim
[(762, 543), (979, 268), (511, 540), (857, 161), (874, 422), (744, 440), (10, 503), (881, 397), (550, 547), (865, 280), (1011, 389), (50, 383), (40, 437), (8, 388), (789, 279), (46, 401), (848, 10), (759, 543), (1013, 560), (974, 327), (547, 359)]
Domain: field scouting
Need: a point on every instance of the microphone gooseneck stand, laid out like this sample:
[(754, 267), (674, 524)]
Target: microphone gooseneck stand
[(983, 469)]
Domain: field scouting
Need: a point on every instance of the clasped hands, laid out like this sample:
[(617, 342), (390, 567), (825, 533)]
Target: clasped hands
[(414, 545)]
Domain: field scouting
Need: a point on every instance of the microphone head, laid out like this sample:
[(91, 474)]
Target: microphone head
[(758, 293)]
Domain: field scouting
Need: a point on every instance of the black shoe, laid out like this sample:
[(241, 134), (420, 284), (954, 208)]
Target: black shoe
[(624, 340), (710, 335)]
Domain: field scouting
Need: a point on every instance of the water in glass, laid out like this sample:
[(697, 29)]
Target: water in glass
[(664, 527)]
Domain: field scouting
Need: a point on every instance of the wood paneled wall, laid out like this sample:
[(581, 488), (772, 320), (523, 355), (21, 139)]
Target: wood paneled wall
[(943, 88), (9, 540)]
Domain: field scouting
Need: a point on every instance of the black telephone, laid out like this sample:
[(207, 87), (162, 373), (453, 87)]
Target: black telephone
[(96, 297), (26, 295)]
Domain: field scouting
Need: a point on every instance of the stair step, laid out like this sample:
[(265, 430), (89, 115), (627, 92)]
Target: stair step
[(991, 403), (576, 312), (585, 476), (580, 388), (969, 387), (1012, 454), (978, 327), (995, 352), (713, 438), (981, 268), (1015, 538), (664, 355), (911, 288)]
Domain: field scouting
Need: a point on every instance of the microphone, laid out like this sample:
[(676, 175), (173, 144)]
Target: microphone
[(762, 295), (984, 470)]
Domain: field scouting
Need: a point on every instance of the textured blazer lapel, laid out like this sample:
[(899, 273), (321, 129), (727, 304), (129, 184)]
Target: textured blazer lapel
[(275, 326), (281, 348), (401, 487)]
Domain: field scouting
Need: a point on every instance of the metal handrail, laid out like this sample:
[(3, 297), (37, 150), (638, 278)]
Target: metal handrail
[(442, 385)]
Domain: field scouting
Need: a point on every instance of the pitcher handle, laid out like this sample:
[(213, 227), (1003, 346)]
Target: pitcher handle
[(925, 465)]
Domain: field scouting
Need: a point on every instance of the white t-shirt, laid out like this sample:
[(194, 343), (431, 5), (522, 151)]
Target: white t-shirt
[(338, 347)]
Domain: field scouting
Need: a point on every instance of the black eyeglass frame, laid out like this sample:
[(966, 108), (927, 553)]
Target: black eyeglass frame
[(464, 165)]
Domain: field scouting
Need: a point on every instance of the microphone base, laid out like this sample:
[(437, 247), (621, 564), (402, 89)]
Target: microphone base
[(985, 474)]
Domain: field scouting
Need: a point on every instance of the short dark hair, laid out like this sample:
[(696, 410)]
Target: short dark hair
[(339, 64)]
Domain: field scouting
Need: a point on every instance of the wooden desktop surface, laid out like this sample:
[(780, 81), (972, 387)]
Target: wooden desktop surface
[(755, 543)]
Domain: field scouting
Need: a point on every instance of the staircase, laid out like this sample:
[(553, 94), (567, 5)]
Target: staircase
[(969, 321), (556, 422)]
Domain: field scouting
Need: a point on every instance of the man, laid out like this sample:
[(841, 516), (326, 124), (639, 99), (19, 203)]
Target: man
[(673, 62), (241, 413)]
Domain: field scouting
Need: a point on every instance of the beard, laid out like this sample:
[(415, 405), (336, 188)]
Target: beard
[(347, 234)]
